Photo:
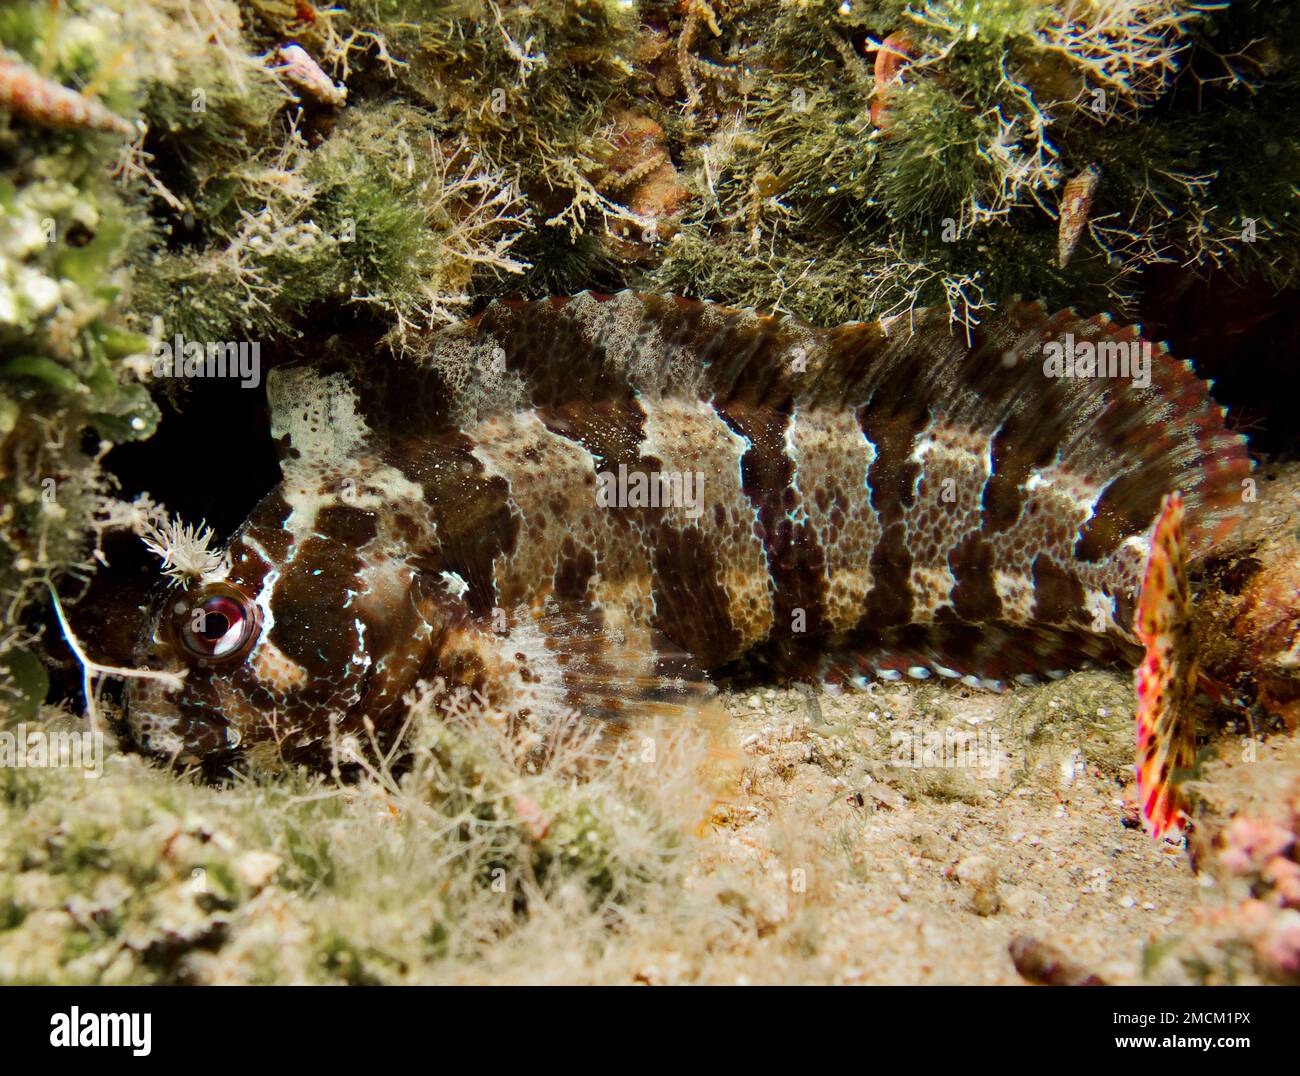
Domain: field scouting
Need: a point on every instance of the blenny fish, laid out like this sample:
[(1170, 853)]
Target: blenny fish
[(596, 504)]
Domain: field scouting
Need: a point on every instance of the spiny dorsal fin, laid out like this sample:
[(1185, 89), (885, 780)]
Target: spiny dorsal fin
[(1136, 436)]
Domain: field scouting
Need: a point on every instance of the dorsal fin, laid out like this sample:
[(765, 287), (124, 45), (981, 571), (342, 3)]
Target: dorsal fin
[(1140, 436)]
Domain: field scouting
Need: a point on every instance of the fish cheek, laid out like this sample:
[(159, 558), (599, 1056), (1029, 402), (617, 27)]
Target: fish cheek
[(313, 654), (269, 670), (311, 648)]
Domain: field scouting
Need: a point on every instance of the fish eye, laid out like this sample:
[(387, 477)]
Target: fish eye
[(216, 624)]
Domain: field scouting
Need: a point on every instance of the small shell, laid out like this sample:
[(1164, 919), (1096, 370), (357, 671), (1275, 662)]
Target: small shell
[(1076, 202), (531, 815), (305, 73), (894, 54), (27, 93), (640, 175), (1041, 962)]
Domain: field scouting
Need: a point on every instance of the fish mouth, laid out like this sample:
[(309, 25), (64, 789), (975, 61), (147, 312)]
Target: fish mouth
[(181, 735)]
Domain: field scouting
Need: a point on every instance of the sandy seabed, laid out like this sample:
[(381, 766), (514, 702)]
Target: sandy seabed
[(913, 832)]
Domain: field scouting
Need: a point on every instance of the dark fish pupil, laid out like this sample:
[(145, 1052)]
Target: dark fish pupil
[(215, 625), (219, 616)]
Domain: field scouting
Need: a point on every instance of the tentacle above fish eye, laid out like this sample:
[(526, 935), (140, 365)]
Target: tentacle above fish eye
[(215, 624)]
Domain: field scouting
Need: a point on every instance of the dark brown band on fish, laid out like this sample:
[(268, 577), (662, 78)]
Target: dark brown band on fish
[(892, 482), (974, 598), (472, 523), (794, 556)]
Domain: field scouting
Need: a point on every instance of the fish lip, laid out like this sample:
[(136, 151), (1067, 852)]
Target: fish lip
[(193, 731)]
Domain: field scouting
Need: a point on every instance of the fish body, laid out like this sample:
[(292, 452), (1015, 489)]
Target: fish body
[(596, 505)]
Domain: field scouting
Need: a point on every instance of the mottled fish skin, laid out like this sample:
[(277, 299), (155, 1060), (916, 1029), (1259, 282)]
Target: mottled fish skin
[(875, 497)]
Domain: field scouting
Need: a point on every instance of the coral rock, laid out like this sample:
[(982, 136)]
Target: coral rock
[(640, 176)]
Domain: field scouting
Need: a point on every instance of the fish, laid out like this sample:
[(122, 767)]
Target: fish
[(596, 506)]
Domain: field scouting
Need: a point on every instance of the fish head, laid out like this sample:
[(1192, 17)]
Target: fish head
[(292, 655), (314, 621)]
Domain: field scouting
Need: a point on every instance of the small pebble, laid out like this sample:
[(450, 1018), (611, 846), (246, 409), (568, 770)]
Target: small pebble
[(979, 874)]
